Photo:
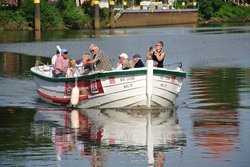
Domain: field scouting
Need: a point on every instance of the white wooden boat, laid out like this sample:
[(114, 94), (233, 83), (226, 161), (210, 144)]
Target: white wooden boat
[(148, 86)]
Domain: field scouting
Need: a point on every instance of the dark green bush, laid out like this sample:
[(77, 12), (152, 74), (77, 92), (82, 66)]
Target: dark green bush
[(89, 10), (50, 17), (12, 20), (222, 11), (104, 17), (207, 8), (73, 16), (27, 11), (231, 12)]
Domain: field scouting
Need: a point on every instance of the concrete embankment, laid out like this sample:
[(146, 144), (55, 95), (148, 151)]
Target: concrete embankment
[(140, 18)]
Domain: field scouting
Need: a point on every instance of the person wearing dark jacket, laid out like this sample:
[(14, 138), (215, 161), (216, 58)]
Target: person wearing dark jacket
[(137, 60)]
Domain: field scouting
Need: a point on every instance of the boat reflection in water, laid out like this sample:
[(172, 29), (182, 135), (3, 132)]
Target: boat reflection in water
[(95, 134)]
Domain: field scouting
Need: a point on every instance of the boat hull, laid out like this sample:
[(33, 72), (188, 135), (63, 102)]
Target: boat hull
[(112, 89)]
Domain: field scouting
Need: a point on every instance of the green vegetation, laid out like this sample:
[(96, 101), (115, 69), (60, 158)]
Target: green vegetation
[(66, 15), (221, 11), (230, 12), (50, 17), (62, 15), (13, 20), (74, 17)]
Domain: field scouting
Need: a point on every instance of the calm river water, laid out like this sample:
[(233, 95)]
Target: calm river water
[(209, 128)]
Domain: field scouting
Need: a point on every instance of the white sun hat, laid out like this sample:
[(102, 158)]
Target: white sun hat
[(123, 55)]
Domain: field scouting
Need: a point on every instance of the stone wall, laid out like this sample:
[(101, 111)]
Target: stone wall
[(156, 18)]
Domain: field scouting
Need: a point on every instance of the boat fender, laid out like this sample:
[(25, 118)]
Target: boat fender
[(75, 95)]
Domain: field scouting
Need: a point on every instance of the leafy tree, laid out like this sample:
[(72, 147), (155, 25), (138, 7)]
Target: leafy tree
[(73, 16), (27, 11), (232, 12), (88, 9), (50, 17), (207, 8)]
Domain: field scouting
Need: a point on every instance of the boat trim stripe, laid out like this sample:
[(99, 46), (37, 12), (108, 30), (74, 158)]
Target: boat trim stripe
[(60, 100), (108, 74)]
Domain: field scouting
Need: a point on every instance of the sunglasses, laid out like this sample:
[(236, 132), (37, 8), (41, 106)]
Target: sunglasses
[(92, 50), (65, 52)]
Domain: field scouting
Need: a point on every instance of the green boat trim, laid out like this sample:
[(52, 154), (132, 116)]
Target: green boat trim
[(109, 74)]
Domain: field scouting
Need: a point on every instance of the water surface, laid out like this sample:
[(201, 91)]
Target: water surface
[(210, 126)]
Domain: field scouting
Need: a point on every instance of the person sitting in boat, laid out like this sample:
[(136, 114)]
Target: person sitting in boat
[(100, 61), (61, 64), (84, 66), (53, 59), (126, 64), (137, 60), (157, 54), (72, 70), (121, 57)]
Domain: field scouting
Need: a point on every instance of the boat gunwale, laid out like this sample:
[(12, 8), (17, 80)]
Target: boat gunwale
[(108, 74)]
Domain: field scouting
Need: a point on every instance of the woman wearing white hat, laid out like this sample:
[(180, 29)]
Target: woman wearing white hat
[(121, 57)]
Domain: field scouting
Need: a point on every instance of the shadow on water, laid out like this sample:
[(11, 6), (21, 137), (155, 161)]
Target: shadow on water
[(90, 136), (218, 94)]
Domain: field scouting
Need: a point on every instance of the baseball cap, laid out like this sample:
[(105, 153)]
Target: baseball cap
[(123, 55), (137, 56), (65, 51)]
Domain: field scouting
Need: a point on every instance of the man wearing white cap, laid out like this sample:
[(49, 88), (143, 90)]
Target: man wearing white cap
[(123, 56)]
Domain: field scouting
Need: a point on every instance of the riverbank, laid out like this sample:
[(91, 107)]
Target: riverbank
[(56, 17), (22, 25)]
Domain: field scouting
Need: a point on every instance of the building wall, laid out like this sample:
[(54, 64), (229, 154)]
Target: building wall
[(147, 18)]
